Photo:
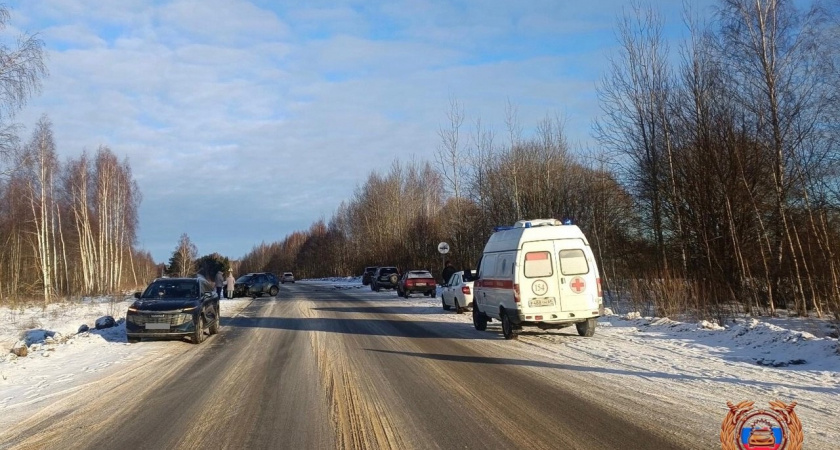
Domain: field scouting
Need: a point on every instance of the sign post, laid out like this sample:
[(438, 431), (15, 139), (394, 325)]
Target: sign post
[(443, 248)]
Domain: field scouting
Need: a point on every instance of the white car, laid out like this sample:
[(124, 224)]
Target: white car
[(457, 293), (288, 277)]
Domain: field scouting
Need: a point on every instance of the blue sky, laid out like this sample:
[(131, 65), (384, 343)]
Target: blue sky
[(246, 120)]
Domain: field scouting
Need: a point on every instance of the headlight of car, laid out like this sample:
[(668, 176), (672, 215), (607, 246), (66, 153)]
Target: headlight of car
[(189, 310), (132, 310)]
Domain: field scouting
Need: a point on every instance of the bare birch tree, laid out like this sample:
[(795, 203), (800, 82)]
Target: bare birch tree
[(776, 57), (21, 69), (182, 262), (634, 98), (38, 165)]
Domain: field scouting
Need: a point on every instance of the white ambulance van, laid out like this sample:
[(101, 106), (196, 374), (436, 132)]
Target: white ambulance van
[(537, 273)]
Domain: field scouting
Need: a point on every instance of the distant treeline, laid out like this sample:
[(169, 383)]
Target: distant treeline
[(714, 189)]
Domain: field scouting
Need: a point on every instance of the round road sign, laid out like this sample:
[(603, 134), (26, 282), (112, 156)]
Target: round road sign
[(443, 248)]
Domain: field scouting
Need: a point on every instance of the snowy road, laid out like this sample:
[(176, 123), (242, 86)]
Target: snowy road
[(323, 367)]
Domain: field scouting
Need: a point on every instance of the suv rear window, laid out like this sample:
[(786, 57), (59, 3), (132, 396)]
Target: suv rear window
[(573, 262), (387, 270)]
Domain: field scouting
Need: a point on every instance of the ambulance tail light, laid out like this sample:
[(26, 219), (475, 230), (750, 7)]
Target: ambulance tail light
[(516, 292), (600, 292)]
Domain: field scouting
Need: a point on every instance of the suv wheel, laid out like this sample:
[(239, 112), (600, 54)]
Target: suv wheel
[(214, 327), (273, 291), (198, 333)]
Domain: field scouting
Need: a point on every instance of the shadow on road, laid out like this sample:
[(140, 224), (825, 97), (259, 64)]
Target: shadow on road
[(372, 327), (639, 373), (382, 309), (478, 359)]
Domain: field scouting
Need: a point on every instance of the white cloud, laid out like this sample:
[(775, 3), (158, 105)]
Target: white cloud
[(244, 124)]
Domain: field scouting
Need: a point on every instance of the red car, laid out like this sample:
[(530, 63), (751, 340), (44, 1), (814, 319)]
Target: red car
[(416, 281)]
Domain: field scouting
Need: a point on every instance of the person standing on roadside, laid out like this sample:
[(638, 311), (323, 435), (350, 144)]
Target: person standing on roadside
[(448, 270), (231, 283), (220, 283)]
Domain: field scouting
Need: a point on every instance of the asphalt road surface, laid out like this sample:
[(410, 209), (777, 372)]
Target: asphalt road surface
[(322, 368)]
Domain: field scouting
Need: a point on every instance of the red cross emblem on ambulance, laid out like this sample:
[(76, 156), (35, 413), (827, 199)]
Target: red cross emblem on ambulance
[(577, 285)]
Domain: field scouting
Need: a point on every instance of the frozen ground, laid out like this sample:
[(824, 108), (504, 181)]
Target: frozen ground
[(698, 365)]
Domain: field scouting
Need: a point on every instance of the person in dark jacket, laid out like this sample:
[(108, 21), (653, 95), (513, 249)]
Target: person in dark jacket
[(220, 283), (448, 270)]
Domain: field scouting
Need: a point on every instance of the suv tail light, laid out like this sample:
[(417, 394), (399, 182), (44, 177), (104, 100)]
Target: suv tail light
[(465, 290)]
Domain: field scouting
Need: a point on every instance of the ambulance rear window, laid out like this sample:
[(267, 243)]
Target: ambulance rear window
[(538, 264), (573, 262)]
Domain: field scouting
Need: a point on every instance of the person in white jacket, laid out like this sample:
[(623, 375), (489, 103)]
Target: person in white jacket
[(231, 282)]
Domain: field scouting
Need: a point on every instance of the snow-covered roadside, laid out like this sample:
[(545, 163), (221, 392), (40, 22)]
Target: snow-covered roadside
[(698, 365), (60, 358)]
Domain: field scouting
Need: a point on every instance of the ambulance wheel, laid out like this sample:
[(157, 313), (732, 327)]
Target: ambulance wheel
[(586, 329), (479, 319), (507, 326)]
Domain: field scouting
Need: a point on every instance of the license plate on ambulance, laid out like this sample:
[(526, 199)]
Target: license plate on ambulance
[(538, 302)]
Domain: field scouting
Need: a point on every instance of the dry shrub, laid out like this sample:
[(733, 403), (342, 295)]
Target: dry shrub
[(673, 297)]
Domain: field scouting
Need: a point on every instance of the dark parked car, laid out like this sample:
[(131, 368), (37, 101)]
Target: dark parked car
[(369, 271), (256, 284), (174, 308), (417, 281), (384, 277)]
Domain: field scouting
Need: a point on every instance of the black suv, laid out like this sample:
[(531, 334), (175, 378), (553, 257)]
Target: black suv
[(256, 284), (174, 308), (369, 271), (384, 277)]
